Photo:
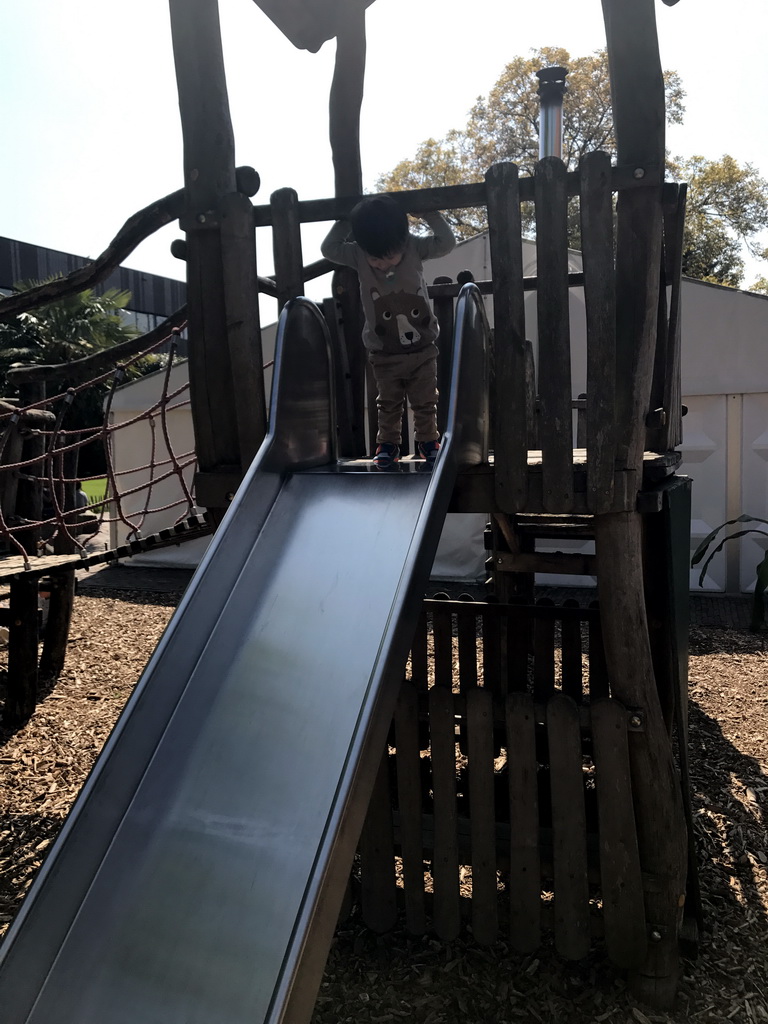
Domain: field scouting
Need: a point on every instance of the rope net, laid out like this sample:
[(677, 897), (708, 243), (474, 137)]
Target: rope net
[(43, 507)]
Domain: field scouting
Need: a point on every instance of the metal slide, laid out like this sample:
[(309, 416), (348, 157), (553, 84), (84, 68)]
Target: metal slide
[(199, 876)]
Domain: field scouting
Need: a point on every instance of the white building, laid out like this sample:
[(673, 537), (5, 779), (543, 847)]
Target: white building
[(725, 433)]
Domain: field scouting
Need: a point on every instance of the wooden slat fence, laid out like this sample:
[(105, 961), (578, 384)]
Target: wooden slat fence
[(504, 800)]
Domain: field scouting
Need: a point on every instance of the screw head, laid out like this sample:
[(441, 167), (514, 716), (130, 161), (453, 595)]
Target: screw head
[(635, 721), (655, 936), (639, 172), (201, 218)]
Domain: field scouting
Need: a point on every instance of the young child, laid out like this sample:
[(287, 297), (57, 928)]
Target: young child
[(400, 329)]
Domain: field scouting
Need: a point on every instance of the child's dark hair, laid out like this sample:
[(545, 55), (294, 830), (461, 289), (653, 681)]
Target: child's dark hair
[(379, 226)]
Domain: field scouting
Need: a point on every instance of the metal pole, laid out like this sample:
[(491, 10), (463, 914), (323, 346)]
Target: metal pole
[(551, 92)]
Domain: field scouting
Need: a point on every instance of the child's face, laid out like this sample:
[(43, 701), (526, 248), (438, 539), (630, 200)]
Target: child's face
[(384, 263)]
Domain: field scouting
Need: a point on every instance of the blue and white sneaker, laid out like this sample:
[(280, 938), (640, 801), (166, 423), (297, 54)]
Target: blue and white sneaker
[(387, 455), (429, 450)]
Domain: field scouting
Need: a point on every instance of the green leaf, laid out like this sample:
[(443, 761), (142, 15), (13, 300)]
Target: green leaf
[(724, 541)]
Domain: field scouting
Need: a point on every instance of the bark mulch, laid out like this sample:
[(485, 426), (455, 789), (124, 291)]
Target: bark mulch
[(396, 977)]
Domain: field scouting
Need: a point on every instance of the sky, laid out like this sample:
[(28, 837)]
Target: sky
[(90, 123)]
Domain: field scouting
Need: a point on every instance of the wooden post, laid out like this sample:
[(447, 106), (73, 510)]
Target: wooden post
[(555, 408), (241, 297), (346, 295), (62, 599), (637, 88), (22, 651), (286, 245), (510, 427), (29, 496), (209, 175), (56, 632)]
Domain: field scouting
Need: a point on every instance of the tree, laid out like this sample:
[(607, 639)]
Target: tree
[(727, 208), (64, 330), (60, 332), (727, 202)]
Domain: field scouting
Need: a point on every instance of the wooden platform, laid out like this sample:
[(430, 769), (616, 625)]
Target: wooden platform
[(17, 566)]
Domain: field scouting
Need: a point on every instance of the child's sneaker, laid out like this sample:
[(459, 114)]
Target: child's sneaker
[(429, 450), (386, 455)]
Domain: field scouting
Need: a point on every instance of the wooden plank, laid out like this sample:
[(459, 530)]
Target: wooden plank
[(569, 829), (524, 865), (596, 209), (570, 646), (448, 197), (378, 888), (466, 628), (419, 657), (286, 245), (443, 307), (543, 653), (445, 857), (568, 563), (531, 400), (442, 636), (485, 923), (518, 649), (598, 670), (620, 874), (554, 378), (409, 804), (510, 429), (493, 674)]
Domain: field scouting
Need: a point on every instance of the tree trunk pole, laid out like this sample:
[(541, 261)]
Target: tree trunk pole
[(637, 89), (223, 427), (344, 129), (346, 100)]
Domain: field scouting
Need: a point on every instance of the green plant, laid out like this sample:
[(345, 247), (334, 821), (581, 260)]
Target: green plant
[(761, 570), (96, 491)]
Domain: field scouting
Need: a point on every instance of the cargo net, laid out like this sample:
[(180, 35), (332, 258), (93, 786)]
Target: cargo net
[(44, 507)]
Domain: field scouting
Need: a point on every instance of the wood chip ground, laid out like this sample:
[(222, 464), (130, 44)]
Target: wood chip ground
[(371, 979)]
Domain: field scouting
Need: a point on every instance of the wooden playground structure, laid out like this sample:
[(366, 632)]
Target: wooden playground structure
[(540, 749)]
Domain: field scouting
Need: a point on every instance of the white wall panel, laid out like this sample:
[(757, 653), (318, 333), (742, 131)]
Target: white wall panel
[(754, 483), (704, 460)]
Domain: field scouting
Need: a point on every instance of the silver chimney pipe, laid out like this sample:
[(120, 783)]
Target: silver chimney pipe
[(551, 92)]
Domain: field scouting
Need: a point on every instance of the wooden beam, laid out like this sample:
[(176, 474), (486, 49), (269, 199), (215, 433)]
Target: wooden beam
[(455, 197)]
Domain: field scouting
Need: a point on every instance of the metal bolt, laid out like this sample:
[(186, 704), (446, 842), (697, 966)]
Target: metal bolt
[(201, 218), (635, 721), (229, 495), (499, 561), (639, 172), (655, 936)]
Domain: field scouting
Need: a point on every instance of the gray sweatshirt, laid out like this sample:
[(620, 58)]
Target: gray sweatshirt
[(398, 316)]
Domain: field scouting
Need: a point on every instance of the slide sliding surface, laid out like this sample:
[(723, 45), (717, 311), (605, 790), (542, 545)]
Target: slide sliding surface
[(199, 876)]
